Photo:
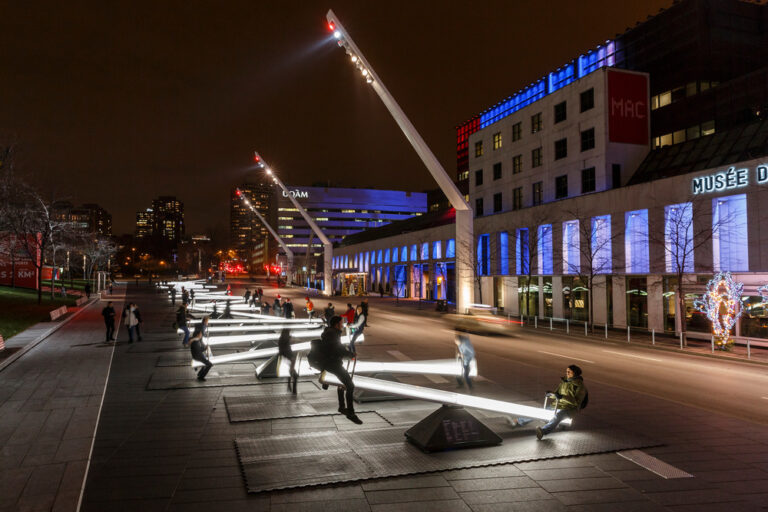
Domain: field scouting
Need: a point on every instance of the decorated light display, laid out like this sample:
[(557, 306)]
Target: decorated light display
[(763, 291), (721, 305)]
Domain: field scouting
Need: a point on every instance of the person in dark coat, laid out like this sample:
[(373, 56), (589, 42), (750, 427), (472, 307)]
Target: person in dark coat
[(288, 308), (192, 296), (184, 296), (247, 296), (227, 311), (88, 290), (198, 346), (329, 313), (138, 319), (277, 310), (358, 325), (285, 351), (326, 355), (173, 296), (571, 394), (265, 308), (364, 305), (466, 354), (182, 320), (109, 321)]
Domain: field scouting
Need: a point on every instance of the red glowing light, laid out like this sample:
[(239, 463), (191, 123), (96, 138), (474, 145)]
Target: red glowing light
[(256, 158), (237, 191), (331, 26)]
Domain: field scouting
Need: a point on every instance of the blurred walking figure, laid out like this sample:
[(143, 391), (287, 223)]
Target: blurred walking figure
[(130, 321), (309, 308), (182, 320), (571, 395), (198, 347), (288, 309), (329, 313), (358, 325), (285, 351), (466, 354), (109, 321), (247, 296)]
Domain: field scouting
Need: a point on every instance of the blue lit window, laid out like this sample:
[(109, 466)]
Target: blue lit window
[(504, 253), (678, 237), (386, 255), (544, 249), (401, 281), (425, 251), (346, 261), (355, 260), (636, 241), (450, 249), (522, 252), (601, 245), (404, 253), (365, 264), (437, 252), (571, 248), (414, 253), (373, 258), (394, 255), (483, 255), (729, 233), (380, 257)]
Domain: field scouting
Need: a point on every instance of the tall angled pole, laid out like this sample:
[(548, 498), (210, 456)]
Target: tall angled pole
[(288, 251), (327, 245), (464, 214)]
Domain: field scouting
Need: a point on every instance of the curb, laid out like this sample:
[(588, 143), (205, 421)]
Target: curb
[(32, 344)]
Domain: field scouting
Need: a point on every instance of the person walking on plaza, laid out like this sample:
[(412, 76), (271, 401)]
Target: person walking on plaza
[(364, 305), (227, 311), (329, 313), (358, 325), (327, 355), (286, 352), (277, 310), (288, 309), (466, 354), (381, 290), (571, 394), (309, 308), (184, 296), (87, 290), (247, 296), (265, 308), (198, 346), (349, 314), (130, 321), (139, 321), (182, 321), (109, 321), (192, 296), (261, 293)]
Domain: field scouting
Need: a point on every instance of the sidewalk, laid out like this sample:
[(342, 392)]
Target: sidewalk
[(50, 396)]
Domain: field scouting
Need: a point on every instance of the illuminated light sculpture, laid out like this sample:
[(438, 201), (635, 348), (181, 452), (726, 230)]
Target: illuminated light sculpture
[(288, 251), (464, 215), (255, 327), (763, 291), (449, 367), (721, 305), (258, 319), (258, 338)]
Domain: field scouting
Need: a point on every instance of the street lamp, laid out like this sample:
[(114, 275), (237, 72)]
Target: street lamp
[(327, 245), (464, 214), (288, 251)]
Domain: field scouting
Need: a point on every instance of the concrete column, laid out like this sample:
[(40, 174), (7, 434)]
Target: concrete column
[(540, 281), (600, 300), (655, 302), (656, 252), (619, 301), (702, 223), (557, 296), (511, 304)]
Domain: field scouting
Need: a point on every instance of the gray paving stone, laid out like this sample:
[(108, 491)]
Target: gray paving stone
[(431, 506), (505, 495), (407, 495), (564, 473), (631, 506), (524, 506), (489, 472), (581, 484), (491, 483), (405, 482), (598, 496)]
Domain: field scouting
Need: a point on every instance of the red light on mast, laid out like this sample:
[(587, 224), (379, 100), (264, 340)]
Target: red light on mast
[(237, 191), (331, 26)]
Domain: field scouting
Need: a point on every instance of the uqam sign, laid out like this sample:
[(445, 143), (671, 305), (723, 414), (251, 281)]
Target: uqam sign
[(730, 179)]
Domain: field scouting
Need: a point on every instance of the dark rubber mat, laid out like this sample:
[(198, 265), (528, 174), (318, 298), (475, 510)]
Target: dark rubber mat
[(231, 374), (283, 405), (282, 461), (185, 359)]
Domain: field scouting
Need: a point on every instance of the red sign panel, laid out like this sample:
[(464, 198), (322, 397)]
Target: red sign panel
[(628, 110), (16, 267)]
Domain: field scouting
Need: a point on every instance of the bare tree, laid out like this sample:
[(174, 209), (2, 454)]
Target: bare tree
[(97, 251), (593, 247), (680, 239)]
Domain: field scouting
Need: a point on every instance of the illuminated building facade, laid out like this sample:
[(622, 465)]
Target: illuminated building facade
[(89, 218), (248, 236)]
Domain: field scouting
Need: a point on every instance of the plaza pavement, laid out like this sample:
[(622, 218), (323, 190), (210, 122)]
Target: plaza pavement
[(173, 449)]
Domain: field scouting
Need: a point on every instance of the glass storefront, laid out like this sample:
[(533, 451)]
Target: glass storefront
[(546, 289), (637, 302), (669, 303), (575, 300), (754, 317), (529, 307)]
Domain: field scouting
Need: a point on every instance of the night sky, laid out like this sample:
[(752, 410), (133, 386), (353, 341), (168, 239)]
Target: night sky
[(118, 102)]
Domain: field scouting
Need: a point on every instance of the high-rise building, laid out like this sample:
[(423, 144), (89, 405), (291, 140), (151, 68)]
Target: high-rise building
[(89, 218), (245, 230), (168, 219), (144, 223)]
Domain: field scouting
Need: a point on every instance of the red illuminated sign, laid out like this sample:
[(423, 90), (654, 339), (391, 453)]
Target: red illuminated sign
[(16, 267), (628, 110)]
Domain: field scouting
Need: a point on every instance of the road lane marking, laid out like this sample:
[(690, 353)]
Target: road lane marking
[(566, 357), (632, 355), (765, 397)]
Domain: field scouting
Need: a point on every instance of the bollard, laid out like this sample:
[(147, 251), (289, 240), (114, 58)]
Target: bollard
[(681, 340), (749, 352), (713, 344), (606, 331), (653, 336), (550, 323), (628, 334), (536, 322), (521, 319), (567, 327), (585, 329)]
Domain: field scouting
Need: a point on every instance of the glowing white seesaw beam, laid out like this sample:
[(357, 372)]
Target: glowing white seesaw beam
[(254, 338), (448, 367), (263, 320), (443, 397), (255, 328), (263, 353)]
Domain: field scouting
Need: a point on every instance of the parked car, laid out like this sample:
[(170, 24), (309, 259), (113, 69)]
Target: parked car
[(482, 319)]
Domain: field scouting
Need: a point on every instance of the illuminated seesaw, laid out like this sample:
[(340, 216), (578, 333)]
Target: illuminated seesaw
[(265, 353), (446, 367), (232, 339), (259, 320), (257, 327)]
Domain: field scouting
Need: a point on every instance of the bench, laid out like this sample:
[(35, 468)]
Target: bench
[(58, 312), (81, 301)]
